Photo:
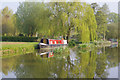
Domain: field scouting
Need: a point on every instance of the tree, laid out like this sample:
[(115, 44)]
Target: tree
[(119, 21), (95, 7), (71, 16), (31, 17), (101, 15), (112, 26), (105, 9), (7, 21), (113, 17), (101, 22), (0, 23), (101, 18), (113, 31), (57, 19)]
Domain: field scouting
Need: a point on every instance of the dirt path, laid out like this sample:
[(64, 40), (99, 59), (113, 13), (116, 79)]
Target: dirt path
[(14, 42)]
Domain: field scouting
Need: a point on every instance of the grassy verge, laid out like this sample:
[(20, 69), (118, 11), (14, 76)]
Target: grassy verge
[(13, 49), (84, 47)]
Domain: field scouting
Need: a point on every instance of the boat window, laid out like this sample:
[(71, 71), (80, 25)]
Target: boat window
[(55, 42), (45, 41), (51, 42)]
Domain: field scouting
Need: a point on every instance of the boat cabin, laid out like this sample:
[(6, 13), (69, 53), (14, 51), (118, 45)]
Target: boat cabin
[(53, 42)]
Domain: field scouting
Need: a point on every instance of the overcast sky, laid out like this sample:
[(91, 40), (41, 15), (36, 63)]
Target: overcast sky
[(113, 5)]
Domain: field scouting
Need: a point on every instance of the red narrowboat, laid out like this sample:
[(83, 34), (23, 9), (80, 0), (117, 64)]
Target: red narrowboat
[(52, 42)]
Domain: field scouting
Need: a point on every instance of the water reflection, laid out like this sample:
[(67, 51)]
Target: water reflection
[(46, 54), (96, 63)]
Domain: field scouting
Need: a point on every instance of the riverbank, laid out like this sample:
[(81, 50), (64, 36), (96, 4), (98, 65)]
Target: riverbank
[(91, 44), (84, 47), (10, 49)]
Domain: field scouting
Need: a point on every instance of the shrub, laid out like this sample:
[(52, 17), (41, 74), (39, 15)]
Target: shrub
[(72, 43), (21, 35), (79, 46), (78, 42), (82, 46), (19, 39), (95, 43)]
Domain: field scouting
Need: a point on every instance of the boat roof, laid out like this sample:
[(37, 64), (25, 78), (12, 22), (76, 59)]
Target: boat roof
[(54, 39)]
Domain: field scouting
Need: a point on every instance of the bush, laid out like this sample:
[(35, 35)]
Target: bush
[(95, 43), (78, 42), (82, 46), (72, 43), (21, 35), (19, 39)]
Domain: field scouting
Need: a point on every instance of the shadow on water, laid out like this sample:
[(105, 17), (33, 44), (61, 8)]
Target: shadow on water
[(101, 62)]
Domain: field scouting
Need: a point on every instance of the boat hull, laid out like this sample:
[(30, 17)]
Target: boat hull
[(52, 46)]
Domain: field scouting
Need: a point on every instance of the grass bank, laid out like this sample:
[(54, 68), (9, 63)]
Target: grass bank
[(88, 46), (10, 49)]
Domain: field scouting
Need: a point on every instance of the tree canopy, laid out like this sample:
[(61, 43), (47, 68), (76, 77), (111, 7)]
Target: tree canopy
[(7, 21), (67, 19)]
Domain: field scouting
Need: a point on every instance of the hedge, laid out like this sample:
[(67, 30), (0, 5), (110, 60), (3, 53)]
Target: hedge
[(19, 39)]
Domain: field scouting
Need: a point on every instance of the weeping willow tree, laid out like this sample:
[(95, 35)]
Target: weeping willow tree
[(67, 16), (86, 24), (57, 19), (43, 21), (91, 21)]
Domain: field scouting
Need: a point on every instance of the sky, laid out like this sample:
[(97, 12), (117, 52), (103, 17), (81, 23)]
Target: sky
[(13, 4)]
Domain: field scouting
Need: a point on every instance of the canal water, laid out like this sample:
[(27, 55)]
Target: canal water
[(100, 62)]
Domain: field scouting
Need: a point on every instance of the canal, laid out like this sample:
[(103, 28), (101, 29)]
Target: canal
[(100, 62)]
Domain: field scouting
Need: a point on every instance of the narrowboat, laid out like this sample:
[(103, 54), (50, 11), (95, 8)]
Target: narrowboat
[(49, 43)]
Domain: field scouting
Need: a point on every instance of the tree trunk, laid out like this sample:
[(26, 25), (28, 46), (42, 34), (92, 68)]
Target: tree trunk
[(28, 35), (64, 37), (104, 36), (68, 34), (31, 34)]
